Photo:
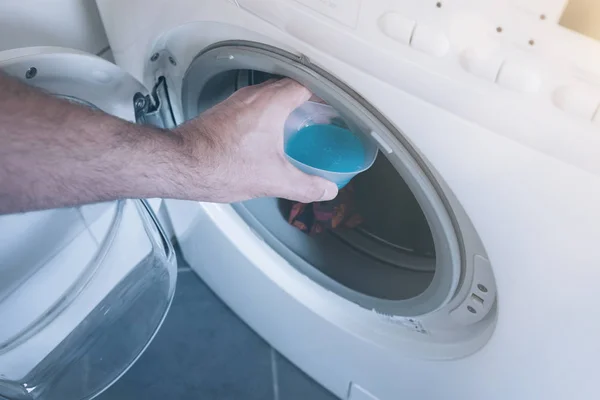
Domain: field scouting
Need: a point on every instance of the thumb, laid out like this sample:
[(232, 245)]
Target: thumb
[(306, 188)]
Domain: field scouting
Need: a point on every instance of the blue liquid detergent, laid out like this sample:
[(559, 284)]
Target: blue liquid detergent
[(327, 147)]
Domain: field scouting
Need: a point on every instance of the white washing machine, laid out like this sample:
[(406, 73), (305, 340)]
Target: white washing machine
[(474, 273)]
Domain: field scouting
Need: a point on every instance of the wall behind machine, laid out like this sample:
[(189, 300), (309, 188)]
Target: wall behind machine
[(583, 16), (65, 23)]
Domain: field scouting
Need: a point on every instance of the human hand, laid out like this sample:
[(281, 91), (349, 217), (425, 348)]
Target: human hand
[(235, 150)]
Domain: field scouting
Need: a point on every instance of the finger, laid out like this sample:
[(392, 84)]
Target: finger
[(286, 92), (268, 82), (291, 94), (249, 92), (298, 186), (316, 99)]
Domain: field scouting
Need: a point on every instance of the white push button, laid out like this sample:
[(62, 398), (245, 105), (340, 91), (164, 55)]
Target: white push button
[(519, 76), (430, 40), (483, 61), (397, 27), (577, 100)]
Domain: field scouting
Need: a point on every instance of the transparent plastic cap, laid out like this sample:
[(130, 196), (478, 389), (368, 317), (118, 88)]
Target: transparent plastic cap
[(311, 113)]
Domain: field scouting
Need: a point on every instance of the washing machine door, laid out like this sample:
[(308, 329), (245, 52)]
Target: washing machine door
[(82, 290)]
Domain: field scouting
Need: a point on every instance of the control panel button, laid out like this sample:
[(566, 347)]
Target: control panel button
[(430, 40), (519, 76), (577, 100), (483, 61), (397, 27)]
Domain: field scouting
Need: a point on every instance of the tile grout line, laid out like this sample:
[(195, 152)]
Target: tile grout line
[(274, 375)]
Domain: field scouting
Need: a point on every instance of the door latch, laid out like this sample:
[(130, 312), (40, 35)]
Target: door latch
[(155, 108)]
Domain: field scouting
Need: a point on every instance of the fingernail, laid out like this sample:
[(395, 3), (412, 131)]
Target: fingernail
[(330, 192)]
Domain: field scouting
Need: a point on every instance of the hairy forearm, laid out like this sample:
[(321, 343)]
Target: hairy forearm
[(56, 154)]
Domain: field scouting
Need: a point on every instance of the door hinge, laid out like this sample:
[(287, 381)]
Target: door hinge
[(155, 108)]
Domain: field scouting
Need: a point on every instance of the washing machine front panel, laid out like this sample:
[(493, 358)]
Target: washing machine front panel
[(530, 192)]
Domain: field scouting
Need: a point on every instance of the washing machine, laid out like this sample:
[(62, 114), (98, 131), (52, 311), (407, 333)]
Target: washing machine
[(473, 275)]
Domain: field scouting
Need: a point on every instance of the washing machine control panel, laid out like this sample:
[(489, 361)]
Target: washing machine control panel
[(504, 53)]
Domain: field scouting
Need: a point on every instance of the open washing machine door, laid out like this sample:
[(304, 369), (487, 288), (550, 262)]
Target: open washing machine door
[(83, 290)]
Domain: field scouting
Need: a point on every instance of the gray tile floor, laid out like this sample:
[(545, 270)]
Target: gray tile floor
[(204, 351)]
